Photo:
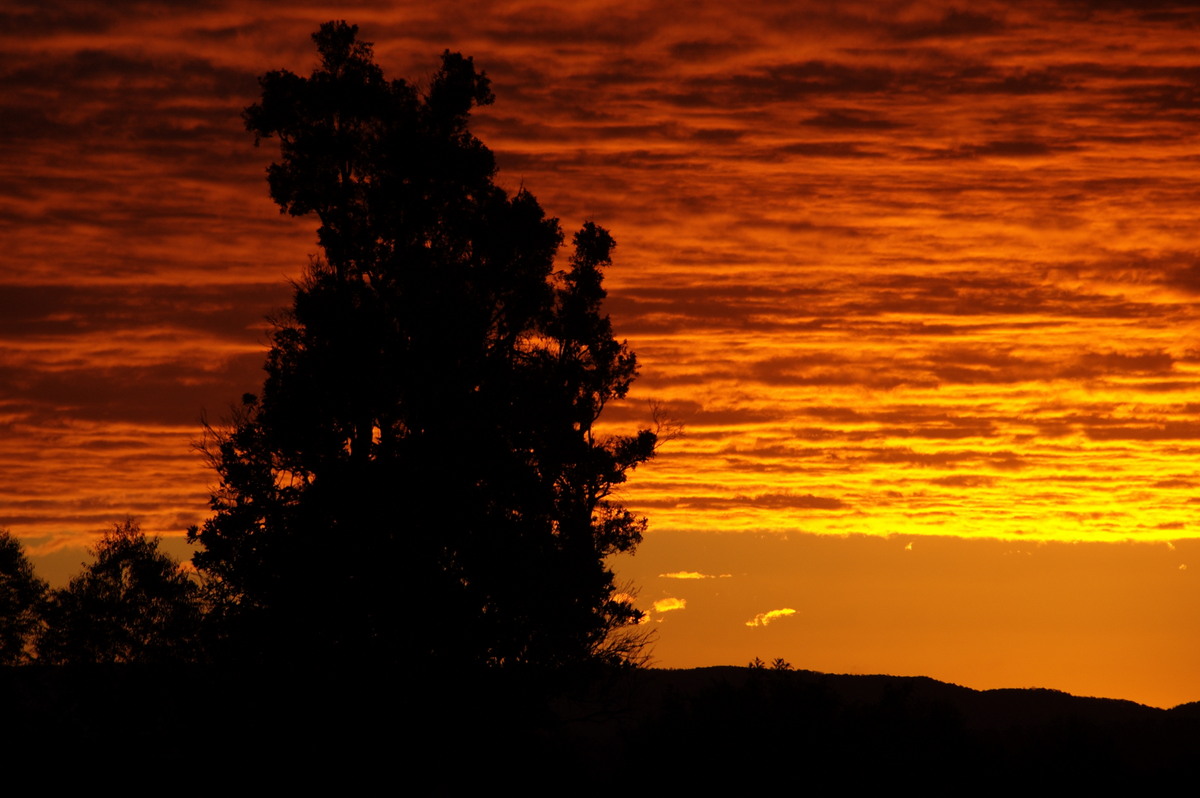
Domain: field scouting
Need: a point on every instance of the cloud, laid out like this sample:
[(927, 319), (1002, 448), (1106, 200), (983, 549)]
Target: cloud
[(693, 575), (1112, 430), (775, 501), (953, 24), (706, 50), (964, 481), (838, 119), (764, 618), (1001, 459), (942, 298), (670, 604), (827, 149)]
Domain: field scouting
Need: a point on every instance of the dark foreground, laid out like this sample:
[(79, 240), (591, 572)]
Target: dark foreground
[(198, 730)]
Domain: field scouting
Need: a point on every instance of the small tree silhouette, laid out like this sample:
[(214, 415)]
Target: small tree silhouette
[(22, 601), (133, 604)]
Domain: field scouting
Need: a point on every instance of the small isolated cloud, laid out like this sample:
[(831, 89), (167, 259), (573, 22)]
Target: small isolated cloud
[(668, 604), (764, 618), (1170, 546), (908, 547), (1183, 567), (630, 598), (693, 575)]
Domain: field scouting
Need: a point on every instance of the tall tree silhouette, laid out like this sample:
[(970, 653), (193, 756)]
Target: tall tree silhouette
[(133, 604), (22, 601), (421, 478)]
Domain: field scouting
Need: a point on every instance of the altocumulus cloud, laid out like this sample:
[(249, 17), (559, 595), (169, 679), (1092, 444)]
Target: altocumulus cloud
[(692, 575), (669, 604), (764, 618)]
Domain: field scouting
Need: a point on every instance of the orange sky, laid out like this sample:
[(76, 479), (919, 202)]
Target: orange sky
[(920, 282)]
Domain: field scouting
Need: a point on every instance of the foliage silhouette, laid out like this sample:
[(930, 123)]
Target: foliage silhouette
[(133, 604), (22, 600), (421, 478)]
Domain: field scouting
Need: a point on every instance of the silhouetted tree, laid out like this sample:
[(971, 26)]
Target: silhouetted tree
[(133, 604), (421, 477), (22, 598)]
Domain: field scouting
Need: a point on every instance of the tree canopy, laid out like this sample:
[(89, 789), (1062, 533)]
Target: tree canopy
[(420, 477), (22, 600), (133, 604)]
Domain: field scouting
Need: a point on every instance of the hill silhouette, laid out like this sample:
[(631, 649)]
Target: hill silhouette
[(588, 733)]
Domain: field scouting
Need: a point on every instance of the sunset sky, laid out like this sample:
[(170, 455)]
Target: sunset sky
[(920, 283)]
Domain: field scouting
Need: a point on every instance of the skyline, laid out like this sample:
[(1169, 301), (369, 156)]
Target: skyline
[(912, 278)]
